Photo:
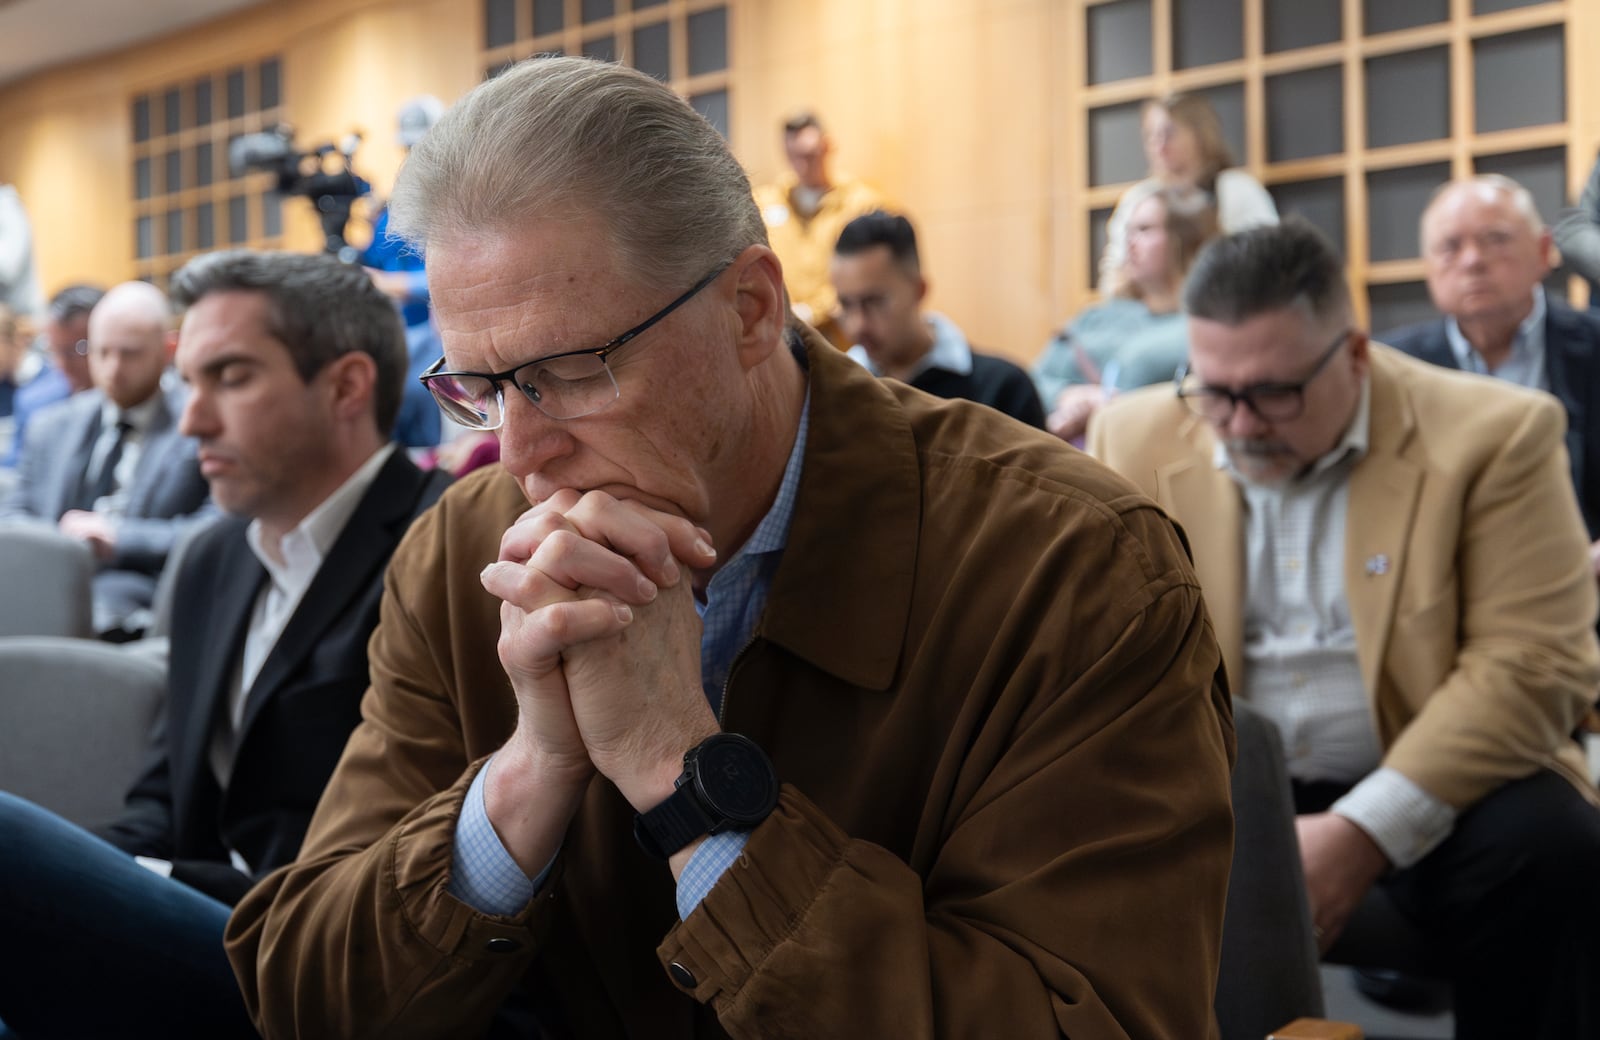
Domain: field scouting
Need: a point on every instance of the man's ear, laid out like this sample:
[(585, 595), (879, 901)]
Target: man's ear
[(759, 301), (1360, 354), (169, 345), (352, 381)]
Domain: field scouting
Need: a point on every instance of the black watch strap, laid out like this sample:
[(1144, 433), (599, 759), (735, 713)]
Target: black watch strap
[(671, 825), (727, 781)]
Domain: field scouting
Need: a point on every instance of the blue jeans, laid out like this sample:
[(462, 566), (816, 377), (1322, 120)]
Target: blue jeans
[(94, 945)]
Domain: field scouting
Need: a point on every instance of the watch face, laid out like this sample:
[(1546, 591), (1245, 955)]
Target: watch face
[(736, 779)]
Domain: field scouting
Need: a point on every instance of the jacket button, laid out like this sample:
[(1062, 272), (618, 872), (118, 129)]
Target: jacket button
[(502, 945), (681, 975)]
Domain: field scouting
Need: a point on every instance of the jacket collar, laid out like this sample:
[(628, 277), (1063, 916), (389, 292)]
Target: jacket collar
[(841, 597)]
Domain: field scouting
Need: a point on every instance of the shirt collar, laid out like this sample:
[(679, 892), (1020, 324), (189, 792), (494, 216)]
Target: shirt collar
[(307, 543), (772, 534), (139, 417), (1352, 446), (950, 350), (1527, 346)]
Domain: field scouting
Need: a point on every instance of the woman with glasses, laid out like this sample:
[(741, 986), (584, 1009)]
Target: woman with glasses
[(1136, 337), (1184, 147)]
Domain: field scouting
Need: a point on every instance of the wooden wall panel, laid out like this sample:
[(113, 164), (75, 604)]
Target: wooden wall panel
[(65, 134), (948, 107), (970, 116)]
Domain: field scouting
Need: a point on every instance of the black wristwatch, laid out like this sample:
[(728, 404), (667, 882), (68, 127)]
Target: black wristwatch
[(727, 783)]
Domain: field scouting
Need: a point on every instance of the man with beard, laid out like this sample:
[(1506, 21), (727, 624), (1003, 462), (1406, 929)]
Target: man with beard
[(1398, 574)]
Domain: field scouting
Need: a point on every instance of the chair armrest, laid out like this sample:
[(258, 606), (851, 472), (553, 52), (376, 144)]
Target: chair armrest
[(1317, 1029)]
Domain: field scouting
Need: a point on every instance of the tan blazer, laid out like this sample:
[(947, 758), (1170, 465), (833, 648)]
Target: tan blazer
[(1466, 567)]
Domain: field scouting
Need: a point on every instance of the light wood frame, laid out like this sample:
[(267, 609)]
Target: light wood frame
[(1578, 133)]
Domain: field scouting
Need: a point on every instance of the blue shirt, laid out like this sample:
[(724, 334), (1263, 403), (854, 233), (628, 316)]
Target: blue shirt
[(485, 877), (44, 390), (1525, 366), (418, 423)]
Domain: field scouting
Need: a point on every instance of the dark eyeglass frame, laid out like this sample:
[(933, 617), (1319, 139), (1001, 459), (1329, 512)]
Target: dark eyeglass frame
[(603, 352), (1196, 396)]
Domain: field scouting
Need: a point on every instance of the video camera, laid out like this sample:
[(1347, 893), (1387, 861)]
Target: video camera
[(332, 187)]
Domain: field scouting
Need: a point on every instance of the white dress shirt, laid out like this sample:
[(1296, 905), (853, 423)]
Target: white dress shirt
[(290, 571), (1301, 667), (139, 419)]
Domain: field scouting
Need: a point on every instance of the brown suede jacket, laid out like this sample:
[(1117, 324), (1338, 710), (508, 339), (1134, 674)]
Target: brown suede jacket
[(988, 682)]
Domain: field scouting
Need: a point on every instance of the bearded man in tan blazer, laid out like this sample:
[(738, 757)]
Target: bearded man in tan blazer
[(1397, 571)]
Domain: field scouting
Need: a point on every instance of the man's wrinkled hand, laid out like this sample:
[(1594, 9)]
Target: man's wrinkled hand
[(574, 570)]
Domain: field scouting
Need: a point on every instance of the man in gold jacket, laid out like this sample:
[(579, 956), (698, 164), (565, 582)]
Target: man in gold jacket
[(798, 704), (1398, 574), (805, 210)]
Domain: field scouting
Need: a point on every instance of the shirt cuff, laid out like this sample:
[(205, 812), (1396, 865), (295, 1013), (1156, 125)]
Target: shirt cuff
[(1405, 821), (709, 862), (482, 873), (162, 867)]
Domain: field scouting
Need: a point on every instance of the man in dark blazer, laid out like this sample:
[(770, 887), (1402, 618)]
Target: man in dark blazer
[(1486, 252), (295, 365), (109, 466)]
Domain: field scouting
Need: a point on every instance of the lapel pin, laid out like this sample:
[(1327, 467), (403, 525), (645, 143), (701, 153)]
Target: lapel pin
[(1377, 565)]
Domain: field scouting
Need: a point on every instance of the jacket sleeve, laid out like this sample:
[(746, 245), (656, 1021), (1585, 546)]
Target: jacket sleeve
[(181, 503), (1526, 665), (26, 498), (1577, 233), (1022, 399), (1051, 907), (359, 937), (1242, 203)]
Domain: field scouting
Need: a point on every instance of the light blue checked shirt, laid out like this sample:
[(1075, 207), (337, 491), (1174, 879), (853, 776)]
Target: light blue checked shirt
[(485, 877), (1526, 365)]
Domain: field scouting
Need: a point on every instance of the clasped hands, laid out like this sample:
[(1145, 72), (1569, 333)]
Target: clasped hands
[(601, 641)]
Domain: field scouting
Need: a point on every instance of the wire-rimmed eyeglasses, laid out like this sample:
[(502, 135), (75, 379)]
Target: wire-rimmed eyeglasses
[(563, 386)]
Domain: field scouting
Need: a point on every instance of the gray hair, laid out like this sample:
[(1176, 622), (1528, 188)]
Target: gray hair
[(319, 308), (562, 137), (1266, 269), (1521, 201)]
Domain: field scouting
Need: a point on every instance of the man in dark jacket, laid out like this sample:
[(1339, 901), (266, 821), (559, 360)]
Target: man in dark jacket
[(877, 275), (295, 366), (1487, 252)]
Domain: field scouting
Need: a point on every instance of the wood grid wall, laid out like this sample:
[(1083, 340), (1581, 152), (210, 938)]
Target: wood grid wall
[(1002, 127), (1350, 111)]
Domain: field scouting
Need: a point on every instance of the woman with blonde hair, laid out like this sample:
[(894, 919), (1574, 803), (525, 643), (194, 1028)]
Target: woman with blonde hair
[(1137, 336), (1184, 147)]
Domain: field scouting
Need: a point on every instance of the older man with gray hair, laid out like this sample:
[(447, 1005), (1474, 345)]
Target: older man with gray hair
[(1486, 252), (798, 703)]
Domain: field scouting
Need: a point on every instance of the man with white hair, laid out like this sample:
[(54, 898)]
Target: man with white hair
[(1486, 252), (751, 695), (109, 467)]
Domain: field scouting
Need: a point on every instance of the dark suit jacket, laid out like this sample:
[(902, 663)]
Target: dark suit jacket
[(993, 381), (166, 496), (299, 711), (166, 489), (1572, 361)]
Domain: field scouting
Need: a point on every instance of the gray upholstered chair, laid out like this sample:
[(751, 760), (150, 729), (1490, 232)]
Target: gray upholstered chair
[(1269, 970), (44, 582), (76, 717)]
